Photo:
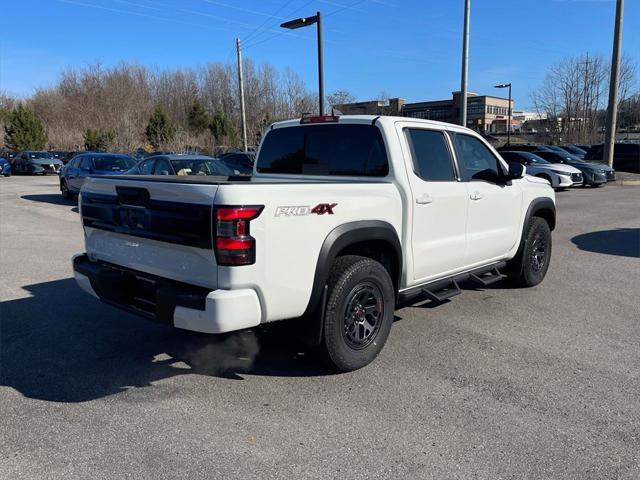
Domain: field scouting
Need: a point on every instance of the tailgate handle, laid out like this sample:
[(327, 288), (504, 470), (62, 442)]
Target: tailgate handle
[(133, 196)]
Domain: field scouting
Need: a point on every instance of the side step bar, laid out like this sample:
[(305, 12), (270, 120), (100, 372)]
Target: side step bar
[(488, 278), (442, 294), (445, 288)]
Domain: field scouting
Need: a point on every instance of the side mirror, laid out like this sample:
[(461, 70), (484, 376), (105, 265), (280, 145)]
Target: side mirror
[(516, 170)]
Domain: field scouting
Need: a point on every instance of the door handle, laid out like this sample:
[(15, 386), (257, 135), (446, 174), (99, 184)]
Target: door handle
[(475, 195), (424, 199)]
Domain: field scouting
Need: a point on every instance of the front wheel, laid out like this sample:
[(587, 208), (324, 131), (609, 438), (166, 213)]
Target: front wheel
[(358, 314), (530, 266)]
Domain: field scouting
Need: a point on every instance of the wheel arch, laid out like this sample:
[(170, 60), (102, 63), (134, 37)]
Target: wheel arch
[(544, 208), (374, 239)]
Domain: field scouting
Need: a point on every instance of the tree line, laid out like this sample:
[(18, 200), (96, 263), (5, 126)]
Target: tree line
[(131, 106), (574, 95)]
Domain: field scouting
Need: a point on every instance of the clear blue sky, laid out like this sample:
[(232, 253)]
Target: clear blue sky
[(406, 48)]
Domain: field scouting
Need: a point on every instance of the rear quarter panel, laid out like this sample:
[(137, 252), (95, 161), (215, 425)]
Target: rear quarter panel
[(288, 246)]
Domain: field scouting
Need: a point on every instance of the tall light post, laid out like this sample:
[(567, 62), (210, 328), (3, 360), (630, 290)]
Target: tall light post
[(305, 22), (465, 64), (507, 85)]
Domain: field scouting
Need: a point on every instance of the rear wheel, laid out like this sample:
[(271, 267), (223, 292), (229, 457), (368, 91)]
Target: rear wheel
[(359, 312), (530, 266), (64, 189)]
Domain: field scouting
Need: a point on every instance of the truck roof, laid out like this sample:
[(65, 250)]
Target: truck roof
[(384, 119)]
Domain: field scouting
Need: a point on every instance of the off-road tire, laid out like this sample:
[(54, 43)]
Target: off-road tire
[(530, 266), (359, 288)]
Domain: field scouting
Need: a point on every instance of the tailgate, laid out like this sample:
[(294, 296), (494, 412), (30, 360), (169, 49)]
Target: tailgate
[(164, 229)]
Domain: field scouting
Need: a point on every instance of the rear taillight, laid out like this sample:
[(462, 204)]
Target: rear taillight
[(234, 245)]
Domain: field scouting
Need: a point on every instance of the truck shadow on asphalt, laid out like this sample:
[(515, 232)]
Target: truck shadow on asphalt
[(62, 345), (624, 242), (54, 199)]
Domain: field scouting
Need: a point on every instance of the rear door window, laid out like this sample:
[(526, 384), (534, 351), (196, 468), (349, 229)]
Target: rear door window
[(345, 150)]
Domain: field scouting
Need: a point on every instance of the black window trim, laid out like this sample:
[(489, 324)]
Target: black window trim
[(449, 146)]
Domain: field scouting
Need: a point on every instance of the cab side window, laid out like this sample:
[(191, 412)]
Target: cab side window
[(475, 160), (430, 154)]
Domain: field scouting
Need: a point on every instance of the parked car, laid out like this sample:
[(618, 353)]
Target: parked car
[(36, 163), (59, 154), (344, 219), (240, 161), (526, 147), (8, 155), (581, 146), (557, 174), (556, 148), (69, 156), (626, 156), (74, 173), (573, 150), (592, 174), (182, 165), (5, 168)]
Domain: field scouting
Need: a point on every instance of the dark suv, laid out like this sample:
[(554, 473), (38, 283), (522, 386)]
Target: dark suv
[(626, 156)]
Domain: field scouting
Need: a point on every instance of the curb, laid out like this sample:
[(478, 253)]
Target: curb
[(626, 183)]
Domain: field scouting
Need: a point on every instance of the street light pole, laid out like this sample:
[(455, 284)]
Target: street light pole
[(507, 85), (305, 22), (465, 64)]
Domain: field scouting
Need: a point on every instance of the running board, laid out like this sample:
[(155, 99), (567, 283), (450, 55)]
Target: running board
[(450, 290), (488, 278)]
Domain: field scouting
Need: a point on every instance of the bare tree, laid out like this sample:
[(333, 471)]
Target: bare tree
[(573, 96)]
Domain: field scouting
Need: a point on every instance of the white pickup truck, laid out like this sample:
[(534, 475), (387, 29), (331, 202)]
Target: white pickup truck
[(345, 219)]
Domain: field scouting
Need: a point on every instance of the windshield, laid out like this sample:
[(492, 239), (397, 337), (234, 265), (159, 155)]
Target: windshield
[(112, 163), (536, 159), (201, 167), (40, 155), (574, 150)]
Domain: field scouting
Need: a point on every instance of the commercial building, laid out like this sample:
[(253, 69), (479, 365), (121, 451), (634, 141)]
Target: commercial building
[(485, 113)]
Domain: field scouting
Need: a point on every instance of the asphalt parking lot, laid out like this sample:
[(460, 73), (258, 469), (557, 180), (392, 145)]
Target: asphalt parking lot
[(498, 383)]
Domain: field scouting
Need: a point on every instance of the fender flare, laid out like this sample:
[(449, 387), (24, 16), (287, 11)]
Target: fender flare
[(537, 204), (342, 237)]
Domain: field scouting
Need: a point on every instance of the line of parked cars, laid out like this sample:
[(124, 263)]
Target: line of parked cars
[(567, 165), (73, 174)]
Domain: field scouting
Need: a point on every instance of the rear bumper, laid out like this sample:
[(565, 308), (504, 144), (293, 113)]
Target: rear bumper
[(182, 305)]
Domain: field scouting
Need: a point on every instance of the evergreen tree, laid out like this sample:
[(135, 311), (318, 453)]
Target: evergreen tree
[(221, 128), (25, 130), (160, 129), (198, 119), (98, 140)]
